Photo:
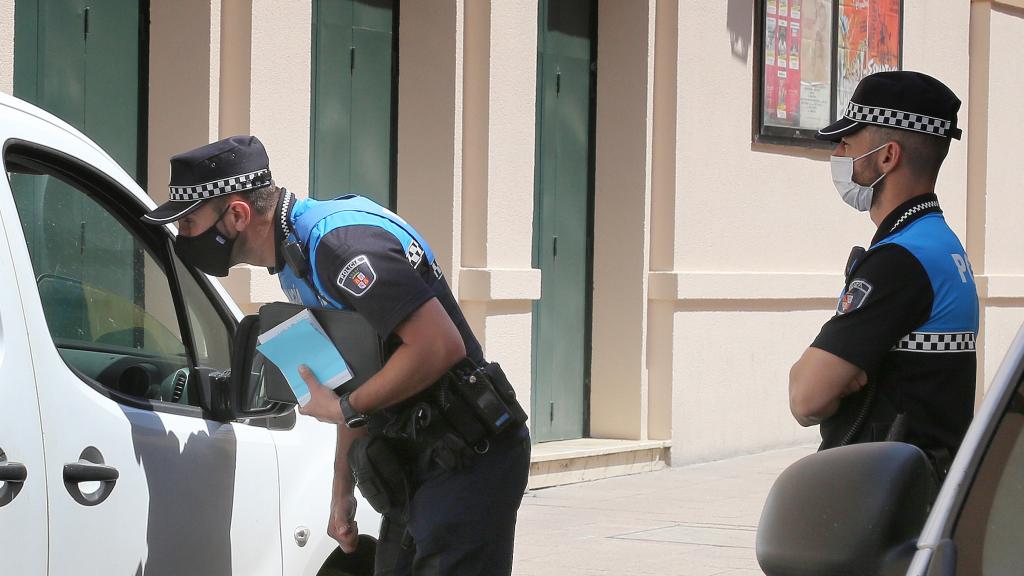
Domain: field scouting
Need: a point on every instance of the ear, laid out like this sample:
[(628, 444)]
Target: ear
[(890, 157), (240, 214)]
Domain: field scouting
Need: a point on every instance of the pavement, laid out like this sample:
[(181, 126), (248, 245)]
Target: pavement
[(697, 520)]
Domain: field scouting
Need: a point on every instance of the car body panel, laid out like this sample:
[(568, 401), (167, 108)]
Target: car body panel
[(20, 437), (193, 495)]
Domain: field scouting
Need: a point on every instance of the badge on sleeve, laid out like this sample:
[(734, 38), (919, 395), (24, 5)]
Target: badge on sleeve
[(357, 276), (854, 297)]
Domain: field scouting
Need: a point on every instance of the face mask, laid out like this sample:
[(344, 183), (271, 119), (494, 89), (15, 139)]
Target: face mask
[(857, 196), (210, 251)]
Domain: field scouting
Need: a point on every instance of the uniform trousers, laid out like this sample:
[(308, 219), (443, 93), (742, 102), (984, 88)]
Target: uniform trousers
[(459, 522)]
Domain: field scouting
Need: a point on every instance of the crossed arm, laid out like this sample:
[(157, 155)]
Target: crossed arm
[(818, 381)]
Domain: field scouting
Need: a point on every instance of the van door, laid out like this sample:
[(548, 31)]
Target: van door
[(22, 477), (140, 480)]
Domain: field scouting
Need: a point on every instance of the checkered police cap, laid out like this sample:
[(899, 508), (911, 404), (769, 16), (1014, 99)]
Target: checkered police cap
[(234, 164), (904, 100)]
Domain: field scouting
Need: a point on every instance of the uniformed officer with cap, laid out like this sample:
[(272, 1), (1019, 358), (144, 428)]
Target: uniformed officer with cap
[(897, 361), (465, 482)]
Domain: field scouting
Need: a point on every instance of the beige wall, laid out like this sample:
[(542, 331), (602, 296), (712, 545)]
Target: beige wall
[(760, 234), (184, 59), (429, 138), (715, 260), (7, 47), (622, 201), (997, 41), (497, 284)]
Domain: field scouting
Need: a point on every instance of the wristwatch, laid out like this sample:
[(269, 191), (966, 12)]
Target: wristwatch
[(352, 418)]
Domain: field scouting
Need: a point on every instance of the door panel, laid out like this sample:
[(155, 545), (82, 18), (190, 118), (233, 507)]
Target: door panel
[(562, 243), (371, 114), (112, 80), (332, 84), (190, 496), (79, 60), (353, 83), (23, 543)]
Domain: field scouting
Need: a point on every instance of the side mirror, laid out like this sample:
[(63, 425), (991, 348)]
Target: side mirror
[(851, 510), (252, 376), (241, 392)]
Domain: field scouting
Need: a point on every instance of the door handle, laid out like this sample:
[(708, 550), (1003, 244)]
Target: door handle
[(13, 472), (85, 471), (12, 479)]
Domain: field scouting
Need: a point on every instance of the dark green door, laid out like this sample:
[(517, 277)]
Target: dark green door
[(352, 124), (81, 60), (563, 189)]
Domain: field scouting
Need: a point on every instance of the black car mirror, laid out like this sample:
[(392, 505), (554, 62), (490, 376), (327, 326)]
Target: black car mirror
[(851, 510), (241, 393), (253, 376)]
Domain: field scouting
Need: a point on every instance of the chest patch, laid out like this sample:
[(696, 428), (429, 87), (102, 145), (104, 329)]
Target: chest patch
[(854, 297), (357, 276)]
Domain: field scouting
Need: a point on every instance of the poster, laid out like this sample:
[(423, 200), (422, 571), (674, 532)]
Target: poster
[(797, 63), (869, 41), (816, 64)]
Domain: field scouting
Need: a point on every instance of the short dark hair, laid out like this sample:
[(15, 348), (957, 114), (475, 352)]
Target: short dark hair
[(923, 153), (263, 200)]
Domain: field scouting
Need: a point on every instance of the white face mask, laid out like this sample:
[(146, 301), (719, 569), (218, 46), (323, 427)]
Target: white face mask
[(857, 196)]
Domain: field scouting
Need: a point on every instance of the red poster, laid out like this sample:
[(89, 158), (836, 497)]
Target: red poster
[(793, 79), (869, 42)]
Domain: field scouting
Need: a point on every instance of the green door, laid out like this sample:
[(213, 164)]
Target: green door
[(352, 124), (563, 200), (81, 61)]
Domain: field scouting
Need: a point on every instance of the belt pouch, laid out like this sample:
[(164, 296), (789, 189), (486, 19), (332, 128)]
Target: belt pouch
[(505, 390), (380, 474)]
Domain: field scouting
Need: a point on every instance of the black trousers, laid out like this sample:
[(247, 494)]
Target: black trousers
[(461, 522)]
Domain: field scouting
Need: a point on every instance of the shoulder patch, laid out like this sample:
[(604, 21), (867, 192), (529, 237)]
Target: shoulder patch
[(357, 276), (854, 297)]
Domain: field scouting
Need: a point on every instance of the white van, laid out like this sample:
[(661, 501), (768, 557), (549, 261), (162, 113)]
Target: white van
[(124, 448)]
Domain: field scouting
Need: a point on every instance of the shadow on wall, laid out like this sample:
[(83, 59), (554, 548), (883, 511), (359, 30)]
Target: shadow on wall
[(739, 20), (191, 492)]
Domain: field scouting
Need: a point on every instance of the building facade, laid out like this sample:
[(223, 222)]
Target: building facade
[(644, 261)]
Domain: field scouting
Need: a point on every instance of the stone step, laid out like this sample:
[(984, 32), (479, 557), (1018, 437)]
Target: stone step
[(581, 460)]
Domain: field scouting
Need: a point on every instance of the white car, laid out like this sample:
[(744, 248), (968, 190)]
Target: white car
[(124, 447), (875, 508)]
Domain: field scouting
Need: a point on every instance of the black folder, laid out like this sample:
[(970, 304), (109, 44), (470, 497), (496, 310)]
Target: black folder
[(352, 335)]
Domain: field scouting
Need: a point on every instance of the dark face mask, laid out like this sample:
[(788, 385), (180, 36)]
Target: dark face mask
[(210, 251)]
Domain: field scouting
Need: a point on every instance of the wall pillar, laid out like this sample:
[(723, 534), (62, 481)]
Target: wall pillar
[(622, 203)]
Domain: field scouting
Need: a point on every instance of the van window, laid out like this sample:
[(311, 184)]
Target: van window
[(107, 294)]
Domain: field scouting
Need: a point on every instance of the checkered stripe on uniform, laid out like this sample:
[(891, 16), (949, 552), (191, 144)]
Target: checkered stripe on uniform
[(914, 210), (414, 253), (217, 187), (897, 119), (936, 342)]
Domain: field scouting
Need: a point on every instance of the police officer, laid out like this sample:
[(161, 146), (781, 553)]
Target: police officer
[(897, 361), (455, 509)]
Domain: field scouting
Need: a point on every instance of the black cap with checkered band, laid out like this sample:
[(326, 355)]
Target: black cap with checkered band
[(234, 164), (902, 99)]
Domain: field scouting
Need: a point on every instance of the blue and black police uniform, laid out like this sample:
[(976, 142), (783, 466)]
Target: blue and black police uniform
[(366, 258), (908, 317)]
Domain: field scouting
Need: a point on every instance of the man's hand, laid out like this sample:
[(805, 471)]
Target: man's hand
[(342, 525), (323, 402)]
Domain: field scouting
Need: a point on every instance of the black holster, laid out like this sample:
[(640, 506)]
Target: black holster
[(452, 420), (479, 400), (380, 473)]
